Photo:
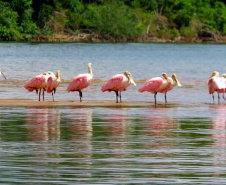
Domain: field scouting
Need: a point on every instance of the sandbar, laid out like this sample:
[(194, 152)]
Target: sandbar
[(35, 103)]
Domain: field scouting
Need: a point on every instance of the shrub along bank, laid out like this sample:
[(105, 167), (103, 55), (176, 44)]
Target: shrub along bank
[(113, 20)]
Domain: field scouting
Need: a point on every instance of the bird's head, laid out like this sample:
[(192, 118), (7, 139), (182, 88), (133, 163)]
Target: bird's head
[(164, 76), (215, 73), (129, 76), (224, 75), (50, 73), (174, 77)]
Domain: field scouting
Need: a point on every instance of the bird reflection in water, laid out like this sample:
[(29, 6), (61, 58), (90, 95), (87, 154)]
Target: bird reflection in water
[(80, 132), (80, 125), (219, 136), (156, 128), (43, 126), (116, 127), (0, 131)]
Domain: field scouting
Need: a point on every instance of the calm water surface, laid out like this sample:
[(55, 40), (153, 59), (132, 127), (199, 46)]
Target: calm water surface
[(181, 143), (193, 64), (68, 145)]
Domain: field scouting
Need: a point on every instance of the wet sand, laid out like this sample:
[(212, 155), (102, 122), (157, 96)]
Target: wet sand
[(110, 103), (33, 103)]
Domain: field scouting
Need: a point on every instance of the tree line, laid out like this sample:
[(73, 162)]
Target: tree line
[(25, 19)]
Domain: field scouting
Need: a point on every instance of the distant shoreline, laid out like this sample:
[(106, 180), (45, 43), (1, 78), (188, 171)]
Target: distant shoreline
[(96, 38)]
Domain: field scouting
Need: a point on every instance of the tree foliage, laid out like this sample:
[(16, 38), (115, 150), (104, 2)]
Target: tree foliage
[(24, 19), (9, 29)]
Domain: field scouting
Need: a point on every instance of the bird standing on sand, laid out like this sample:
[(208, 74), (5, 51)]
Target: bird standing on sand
[(161, 84), (173, 81), (38, 82), (224, 81), (118, 83), (2, 73), (52, 83), (81, 81), (218, 84)]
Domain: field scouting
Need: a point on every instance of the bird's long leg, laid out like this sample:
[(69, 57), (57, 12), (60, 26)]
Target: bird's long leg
[(155, 98), (39, 95), (213, 99), (120, 96), (223, 96), (116, 92), (43, 95), (3, 75), (53, 96), (54, 91), (165, 99), (80, 95), (218, 98)]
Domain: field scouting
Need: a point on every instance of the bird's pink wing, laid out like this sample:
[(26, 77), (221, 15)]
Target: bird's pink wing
[(152, 85), (211, 86), (113, 84), (49, 86), (35, 83), (78, 83), (166, 88)]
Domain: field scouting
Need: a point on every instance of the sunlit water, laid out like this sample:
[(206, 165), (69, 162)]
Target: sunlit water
[(180, 143), (193, 64), (173, 145)]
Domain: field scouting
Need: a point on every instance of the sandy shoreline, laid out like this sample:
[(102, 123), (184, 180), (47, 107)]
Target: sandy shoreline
[(34, 103)]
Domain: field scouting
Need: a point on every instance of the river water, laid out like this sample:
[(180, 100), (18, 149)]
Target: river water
[(183, 142)]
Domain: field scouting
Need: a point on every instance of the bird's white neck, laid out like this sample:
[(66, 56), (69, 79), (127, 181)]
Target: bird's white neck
[(58, 76), (90, 70), (174, 83), (215, 78)]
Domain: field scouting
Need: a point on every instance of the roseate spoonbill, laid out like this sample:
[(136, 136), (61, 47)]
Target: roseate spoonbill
[(118, 83), (172, 82), (52, 83), (81, 81), (223, 80), (38, 82), (161, 84), (218, 84), (2, 73), (224, 75)]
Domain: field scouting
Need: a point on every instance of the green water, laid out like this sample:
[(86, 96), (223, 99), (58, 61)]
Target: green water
[(97, 145), (181, 143)]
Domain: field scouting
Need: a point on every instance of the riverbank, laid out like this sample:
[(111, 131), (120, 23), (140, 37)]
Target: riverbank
[(97, 38)]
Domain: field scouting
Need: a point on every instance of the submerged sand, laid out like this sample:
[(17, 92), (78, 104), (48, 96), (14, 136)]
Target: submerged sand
[(34, 103)]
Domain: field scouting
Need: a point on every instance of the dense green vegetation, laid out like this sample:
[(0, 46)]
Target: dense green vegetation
[(116, 19)]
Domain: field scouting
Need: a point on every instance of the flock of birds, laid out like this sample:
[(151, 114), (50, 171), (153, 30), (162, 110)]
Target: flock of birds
[(118, 83)]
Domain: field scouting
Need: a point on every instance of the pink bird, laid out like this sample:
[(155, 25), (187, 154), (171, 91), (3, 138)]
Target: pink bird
[(172, 82), (52, 83), (81, 81), (2, 73), (38, 82), (160, 84), (118, 83), (218, 84)]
